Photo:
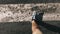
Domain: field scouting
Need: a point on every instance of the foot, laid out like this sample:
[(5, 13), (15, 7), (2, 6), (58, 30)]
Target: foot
[(37, 15)]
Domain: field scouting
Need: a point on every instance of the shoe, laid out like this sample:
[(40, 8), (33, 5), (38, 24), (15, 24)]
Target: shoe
[(37, 15)]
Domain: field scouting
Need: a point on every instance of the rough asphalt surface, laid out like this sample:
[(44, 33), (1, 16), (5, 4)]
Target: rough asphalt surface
[(21, 28), (15, 28), (27, 1), (22, 12)]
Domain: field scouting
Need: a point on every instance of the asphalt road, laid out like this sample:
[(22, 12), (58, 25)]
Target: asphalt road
[(24, 28), (15, 28), (28, 1)]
